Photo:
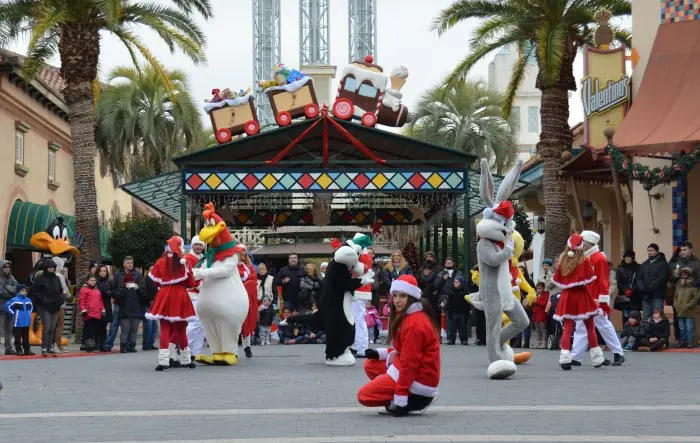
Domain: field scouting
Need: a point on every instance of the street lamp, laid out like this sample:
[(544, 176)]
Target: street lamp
[(587, 211), (540, 225)]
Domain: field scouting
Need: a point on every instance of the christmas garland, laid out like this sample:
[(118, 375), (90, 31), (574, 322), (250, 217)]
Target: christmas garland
[(650, 177)]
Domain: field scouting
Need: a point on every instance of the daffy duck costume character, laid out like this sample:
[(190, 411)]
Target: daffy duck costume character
[(223, 301), (54, 241)]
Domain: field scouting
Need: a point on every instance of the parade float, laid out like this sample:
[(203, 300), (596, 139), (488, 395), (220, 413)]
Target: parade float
[(232, 113), (291, 94)]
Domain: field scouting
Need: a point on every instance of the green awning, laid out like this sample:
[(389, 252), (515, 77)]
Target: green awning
[(26, 219)]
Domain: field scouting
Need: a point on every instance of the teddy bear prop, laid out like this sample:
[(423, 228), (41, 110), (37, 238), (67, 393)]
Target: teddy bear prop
[(494, 253)]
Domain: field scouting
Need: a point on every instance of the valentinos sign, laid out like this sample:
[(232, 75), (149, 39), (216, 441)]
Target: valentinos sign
[(605, 92)]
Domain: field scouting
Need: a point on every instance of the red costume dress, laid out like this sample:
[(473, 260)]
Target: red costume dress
[(250, 283), (411, 367), (172, 306)]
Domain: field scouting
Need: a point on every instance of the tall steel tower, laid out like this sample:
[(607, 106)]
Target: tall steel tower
[(362, 19), (314, 31), (266, 51)]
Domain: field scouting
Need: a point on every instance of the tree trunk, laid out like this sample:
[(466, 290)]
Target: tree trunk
[(555, 138), (79, 48)]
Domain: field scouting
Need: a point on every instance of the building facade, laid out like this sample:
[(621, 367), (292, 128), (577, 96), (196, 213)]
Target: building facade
[(525, 116), (36, 176)]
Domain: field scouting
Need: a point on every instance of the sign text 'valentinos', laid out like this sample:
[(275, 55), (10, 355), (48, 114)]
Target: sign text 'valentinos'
[(597, 99)]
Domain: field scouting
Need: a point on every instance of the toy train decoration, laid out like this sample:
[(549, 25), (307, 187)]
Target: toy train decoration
[(365, 93)]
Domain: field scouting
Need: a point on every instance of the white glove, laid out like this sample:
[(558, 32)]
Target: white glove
[(131, 286), (368, 278), (510, 244), (283, 322), (197, 273)]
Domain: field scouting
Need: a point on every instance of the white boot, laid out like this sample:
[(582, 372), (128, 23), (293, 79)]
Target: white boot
[(501, 369), (565, 360), (186, 358), (163, 360), (597, 357), (345, 359)]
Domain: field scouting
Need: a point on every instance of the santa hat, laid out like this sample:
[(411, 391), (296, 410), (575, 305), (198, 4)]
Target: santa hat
[(175, 248), (503, 211), (406, 284), (197, 241), (575, 243), (590, 237)]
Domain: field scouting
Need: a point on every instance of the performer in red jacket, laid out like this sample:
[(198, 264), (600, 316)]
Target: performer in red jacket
[(172, 306), (574, 273), (250, 282), (405, 378), (600, 290)]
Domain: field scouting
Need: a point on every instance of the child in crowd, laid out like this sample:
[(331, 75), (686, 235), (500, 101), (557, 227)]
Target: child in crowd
[(284, 332), (405, 379), (657, 331), (632, 332), (374, 323), (314, 307), (92, 309), (685, 301), (540, 331), (20, 308), (265, 320), (298, 335)]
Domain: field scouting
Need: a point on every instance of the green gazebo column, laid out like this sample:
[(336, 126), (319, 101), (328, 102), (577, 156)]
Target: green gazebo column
[(466, 225), (427, 239), (444, 239), (455, 244), (183, 207)]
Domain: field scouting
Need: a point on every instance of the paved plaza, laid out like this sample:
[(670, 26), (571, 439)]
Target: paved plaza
[(286, 394)]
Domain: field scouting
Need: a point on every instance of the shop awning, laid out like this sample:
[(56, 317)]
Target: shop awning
[(26, 219), (664, 115)]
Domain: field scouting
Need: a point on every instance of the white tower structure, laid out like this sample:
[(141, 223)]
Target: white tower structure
[(526, 105), (314, 47), (266, 51), (362, 25)]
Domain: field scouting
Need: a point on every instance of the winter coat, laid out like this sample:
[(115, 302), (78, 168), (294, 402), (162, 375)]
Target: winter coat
[(90, 302), (549, 285), (151, 291), (538, 310), (290, 290), (8, 284), (47, 292), (691, 263), (105, 287), (267, 288), (372, 317), (391, 273), (310, 289), (661, 329), (426, 282), (652, 277), (131, 300), (626, 275), (456, 303), (685, 300), (265, 315), (638, 330), (20, 307)]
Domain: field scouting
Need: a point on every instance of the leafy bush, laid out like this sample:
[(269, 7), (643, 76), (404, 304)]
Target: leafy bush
[(141, 237)]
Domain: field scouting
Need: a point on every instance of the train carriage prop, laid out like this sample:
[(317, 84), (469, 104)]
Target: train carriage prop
[(363, 94), (233, 116), (293, 100)]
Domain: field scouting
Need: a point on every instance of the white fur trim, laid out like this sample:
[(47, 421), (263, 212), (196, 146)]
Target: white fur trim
[(570, 253), (564, 357), (501, 369), (604, 299), (393, 372), (401, 400), (416, 387), (164, 357), (383, 353), (580, 316), (590, 237), (597, 357), (183, 261), (574, 284), (168, 282), (150, 316), (406, 288), (390, 358)]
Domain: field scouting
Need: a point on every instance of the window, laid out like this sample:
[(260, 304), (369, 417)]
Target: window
[(515, 119), (19, 148), (368, 90), (533, 119), (350, 84), (52, 165)]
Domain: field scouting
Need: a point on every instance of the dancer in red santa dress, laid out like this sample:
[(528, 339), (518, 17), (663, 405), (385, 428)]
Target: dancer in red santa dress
[(250, 282), (574, 273), (172, 306), (405, 378)]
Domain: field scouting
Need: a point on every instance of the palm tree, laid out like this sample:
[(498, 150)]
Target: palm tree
[(553, 31), (71, 29), (141, 119), (467, 117)]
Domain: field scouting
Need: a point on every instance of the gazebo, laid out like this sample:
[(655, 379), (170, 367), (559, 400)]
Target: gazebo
[(321, 171)]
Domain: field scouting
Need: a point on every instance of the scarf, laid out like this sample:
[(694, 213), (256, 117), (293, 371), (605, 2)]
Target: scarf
[(500, 244), (209, 256)]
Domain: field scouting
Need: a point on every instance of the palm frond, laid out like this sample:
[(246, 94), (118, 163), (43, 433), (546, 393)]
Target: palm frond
[(460, 72), (465, 9), (516, 78), (550, 42)]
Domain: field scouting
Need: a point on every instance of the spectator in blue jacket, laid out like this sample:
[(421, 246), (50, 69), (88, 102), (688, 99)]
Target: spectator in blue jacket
[(20, 309)]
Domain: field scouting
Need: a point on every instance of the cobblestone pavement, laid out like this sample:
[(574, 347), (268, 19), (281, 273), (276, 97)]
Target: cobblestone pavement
[(286, 393)]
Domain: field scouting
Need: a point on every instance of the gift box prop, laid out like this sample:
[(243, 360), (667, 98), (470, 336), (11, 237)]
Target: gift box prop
[(363, 94), (232, 114), (291, 94)]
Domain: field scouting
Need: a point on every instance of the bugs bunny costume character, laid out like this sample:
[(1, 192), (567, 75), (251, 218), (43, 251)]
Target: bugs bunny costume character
[(494, 251)]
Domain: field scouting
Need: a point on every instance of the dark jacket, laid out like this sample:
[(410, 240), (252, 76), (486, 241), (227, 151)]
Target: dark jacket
[(47, 292), (309, 292), (652, 277), (290, 290), (390, 273), (151, 291), (626, 276), (456, 304), (691, 263), (639, 330), (266, 315), (8, 285), (426, 278), (105, 287), (658, 330), (130, 300)]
